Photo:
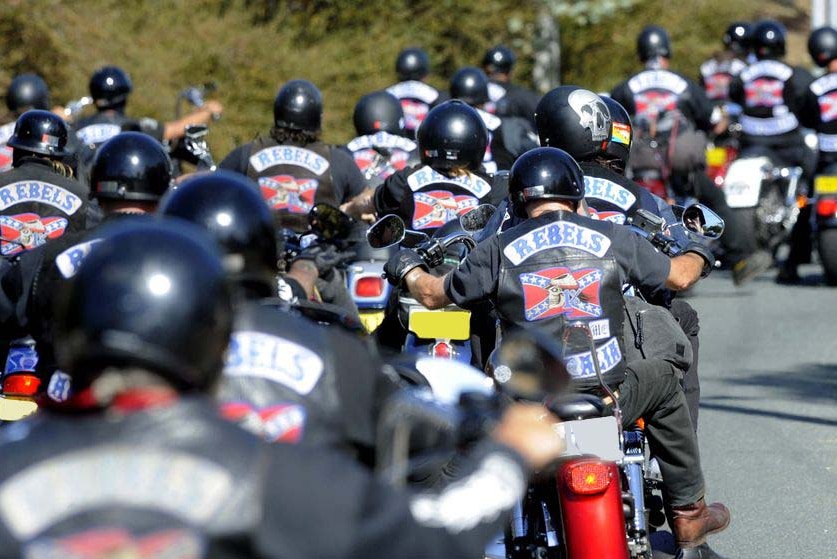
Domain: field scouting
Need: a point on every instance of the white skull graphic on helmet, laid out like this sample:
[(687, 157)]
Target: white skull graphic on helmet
[(593, 114)]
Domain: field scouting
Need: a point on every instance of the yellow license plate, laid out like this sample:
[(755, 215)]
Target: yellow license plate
[(825, 185), (12, 409), (446, 325), (371, 320), (715, 157)]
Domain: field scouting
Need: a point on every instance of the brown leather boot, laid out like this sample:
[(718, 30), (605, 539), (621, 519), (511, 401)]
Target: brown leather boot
[(693, 523)]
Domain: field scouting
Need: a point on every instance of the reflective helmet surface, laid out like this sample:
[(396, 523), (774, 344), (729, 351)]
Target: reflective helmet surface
[(299, 106), (130, 166), (452, 136), (500, 59), (27, 91), (110, 86), (544, 173), (471, 85), (40, 132), (230, 207), (822, 46), (412, 64), (769, 39), (618, 148), (575, 120), (738, 37), (653, 41), (378, 111), (152, 295)]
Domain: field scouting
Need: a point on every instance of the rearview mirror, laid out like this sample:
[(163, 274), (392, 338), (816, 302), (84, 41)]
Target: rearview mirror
[(477, 218), (702, 221), (329, 222), (387, 231)]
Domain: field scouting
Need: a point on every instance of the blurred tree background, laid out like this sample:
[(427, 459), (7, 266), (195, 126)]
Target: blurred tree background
[(348, 48)]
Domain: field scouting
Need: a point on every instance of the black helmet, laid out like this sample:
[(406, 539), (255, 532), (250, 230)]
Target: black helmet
[(152, 294), (230, 206), (298, 105), (130, 166), (110, 86), (27, 91), (822, 46), (452, 135), (499, 59), (737, 37), (618, 149), (543, 173), (653, 42), (40, 132), (769, 39), (574, 119), (412, 64), (471, 85), (378, 111)]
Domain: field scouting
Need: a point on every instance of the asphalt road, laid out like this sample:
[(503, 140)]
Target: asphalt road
[(768, 419)]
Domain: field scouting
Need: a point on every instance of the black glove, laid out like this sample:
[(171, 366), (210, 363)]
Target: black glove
[(401, 263), (703, 251), (325, 258)]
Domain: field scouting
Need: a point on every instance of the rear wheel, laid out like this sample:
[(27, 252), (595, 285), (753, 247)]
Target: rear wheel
[(827, 247)]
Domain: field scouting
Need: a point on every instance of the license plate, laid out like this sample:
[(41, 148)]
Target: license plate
[(441, 324), (825, 185), (371, 320), (598, 436), (12, 409), (716, 157)]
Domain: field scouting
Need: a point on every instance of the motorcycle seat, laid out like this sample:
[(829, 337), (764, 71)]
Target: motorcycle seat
[(571, 407)]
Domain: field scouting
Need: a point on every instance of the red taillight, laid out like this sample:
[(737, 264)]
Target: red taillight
[(587, 478), (369, 287), (827, 207), (21, 385), (443, 350)]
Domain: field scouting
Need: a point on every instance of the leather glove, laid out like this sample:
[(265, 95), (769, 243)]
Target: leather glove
[(325, 258), (401, 263), (703, 251)]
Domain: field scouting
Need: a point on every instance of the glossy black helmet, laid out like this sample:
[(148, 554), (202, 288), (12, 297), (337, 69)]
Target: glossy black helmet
[(130, 166), (378, 111), (618, 149), (653, 42), (471, 85), (822, 46), (412, 64), (230, 206), (40, 132), (575, 120), (544, 173), (27, 91), (737, 37), (769, 39), (499, 59), (152, 295), (110, 86), (299, 106), (452, 136)]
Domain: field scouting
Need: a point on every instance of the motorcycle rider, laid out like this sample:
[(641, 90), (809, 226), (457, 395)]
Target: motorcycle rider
[(717, 72), (381, 146), (558, 265), (508, 136), (26, 92), (772, 95), (417, 97), (325, 389), (149, 464), (673, 105), (507, 98)]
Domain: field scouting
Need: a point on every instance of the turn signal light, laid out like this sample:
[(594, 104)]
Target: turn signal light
[(369, 287), (587, 478), (21, 385), (827, 207)]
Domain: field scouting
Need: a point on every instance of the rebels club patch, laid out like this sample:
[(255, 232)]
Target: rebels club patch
[(613, 217), (764, 92), (25, 231), (561, 291), (653, 103), (435, 208), (828, 106), (103, 543), (285, 192), (282, 423), (372, 164)]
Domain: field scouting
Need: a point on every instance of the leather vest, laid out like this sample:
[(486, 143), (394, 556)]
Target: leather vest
[(717, 75), (416, 100), (292, 179), (101, 127), (380, 155), (825, 88), (765, 111), (607, 194), (556, 269), (437, 199), (657, 97)]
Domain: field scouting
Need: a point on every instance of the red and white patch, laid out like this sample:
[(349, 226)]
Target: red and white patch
[(613, 217), (285, 192), (414, 113), (828, 106), (434, 209), (282, 423), (561, 291), (764, 92), (22, 232), (717, 86), (5, 158), (651, 104), (107, 543), (370, 161)]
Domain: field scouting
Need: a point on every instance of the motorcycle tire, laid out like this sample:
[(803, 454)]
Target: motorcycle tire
[(747, 226), (827, 248)]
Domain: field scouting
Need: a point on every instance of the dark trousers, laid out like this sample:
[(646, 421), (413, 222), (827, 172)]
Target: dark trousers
[(651, 391), (687, 317)]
